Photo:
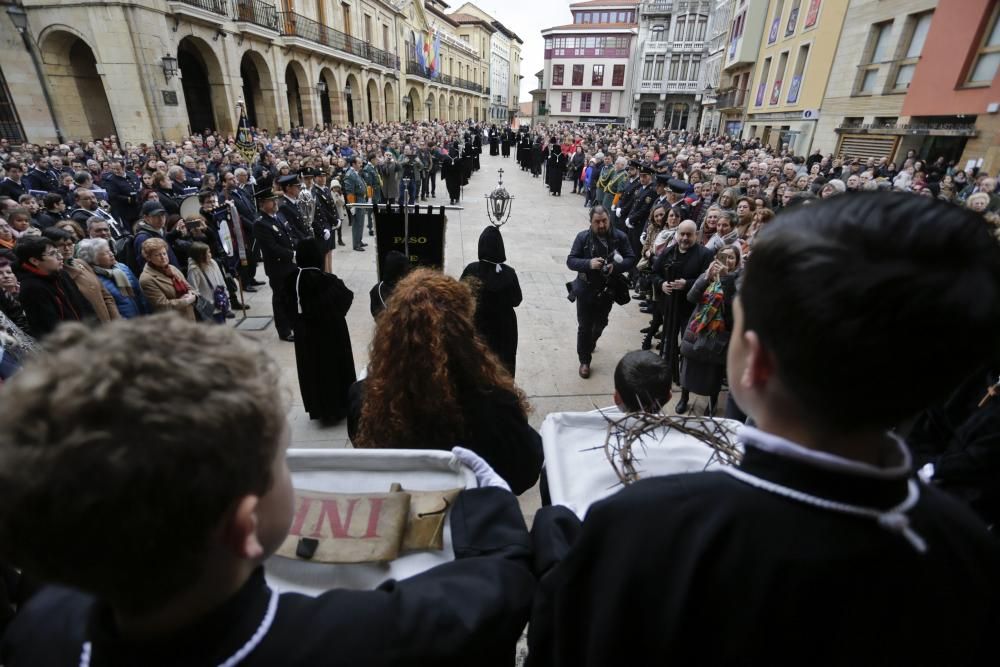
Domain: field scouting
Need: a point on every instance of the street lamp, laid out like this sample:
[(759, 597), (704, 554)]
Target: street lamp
[(169, 65), (19, 18), (321, 87)]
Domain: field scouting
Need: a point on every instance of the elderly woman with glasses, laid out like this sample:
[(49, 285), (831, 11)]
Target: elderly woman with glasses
[(163, 285), (83, 276), (116, 278)]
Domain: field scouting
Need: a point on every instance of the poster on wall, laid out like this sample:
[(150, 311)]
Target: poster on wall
[(793, 89), (776, 91), (773, 36), (813, 14), (793, 18), (760, 92)]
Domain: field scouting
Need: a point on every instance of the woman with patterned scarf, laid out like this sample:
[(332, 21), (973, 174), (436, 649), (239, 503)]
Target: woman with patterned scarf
[(706, 337)]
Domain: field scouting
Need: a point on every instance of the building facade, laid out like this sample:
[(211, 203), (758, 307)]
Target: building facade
[(505, 65), (668, 64), (587, 63), (710, 79), (743, 42), (881, 43), (953, 99), (162, 69), (797, 52)]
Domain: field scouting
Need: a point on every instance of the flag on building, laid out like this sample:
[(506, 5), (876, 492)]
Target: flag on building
[(435, 58)]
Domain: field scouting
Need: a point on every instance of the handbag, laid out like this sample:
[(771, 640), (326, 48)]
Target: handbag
[(204, 309)]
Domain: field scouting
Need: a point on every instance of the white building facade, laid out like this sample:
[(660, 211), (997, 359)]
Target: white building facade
[(711, 71), (669, 59), (587, 63)]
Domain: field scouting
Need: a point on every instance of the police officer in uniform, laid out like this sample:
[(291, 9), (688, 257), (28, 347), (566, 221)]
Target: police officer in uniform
[(675, 198), (289, 208), (641, 205), (627, 200), (123, 193), (277, 243)]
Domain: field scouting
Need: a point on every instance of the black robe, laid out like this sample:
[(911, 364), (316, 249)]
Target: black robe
[(498, 294), (710, 569), (452, 169), (505, 139), (467, 612), (555, 168), (537, 158), (494, 143), (676, 309), (317, 304)]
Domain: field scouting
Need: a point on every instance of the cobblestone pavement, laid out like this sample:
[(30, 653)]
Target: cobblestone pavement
[(538, 238)]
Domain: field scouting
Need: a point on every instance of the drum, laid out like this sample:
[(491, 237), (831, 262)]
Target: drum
[(190, 207)]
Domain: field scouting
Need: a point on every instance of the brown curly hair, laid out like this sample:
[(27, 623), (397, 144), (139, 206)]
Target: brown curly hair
[(426, 362)]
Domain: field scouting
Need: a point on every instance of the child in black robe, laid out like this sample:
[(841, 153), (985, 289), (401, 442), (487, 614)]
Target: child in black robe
[(149, 487), (822, 546)]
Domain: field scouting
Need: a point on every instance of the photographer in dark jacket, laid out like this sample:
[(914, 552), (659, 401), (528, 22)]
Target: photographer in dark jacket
[(600, 256)]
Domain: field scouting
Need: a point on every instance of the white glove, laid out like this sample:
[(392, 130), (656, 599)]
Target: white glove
[(628, 224), (326, 234), (618, 211), (485, 475)]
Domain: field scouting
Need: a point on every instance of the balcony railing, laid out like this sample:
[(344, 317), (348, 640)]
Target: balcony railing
[(950, 129), (730, 98), (259, 13), (216, 6), (668, 86), (296, 25), (414, 68), (657, 7)]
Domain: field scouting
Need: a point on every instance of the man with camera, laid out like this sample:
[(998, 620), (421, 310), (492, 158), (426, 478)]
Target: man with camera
[(600, 256)]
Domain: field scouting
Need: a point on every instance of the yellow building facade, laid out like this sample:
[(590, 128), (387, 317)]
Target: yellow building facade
[(793, 67)]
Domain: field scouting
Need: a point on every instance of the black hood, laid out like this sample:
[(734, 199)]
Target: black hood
[(491, 246), (395, 267)]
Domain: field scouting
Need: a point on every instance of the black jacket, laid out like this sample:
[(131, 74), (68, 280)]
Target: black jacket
[(123, 195), (276, 246), (49, 300), (585, 247)]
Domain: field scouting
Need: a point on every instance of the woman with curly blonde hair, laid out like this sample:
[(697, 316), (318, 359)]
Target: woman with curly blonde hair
[(433, 383)]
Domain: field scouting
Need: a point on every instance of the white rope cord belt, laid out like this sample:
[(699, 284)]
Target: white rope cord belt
[(234, 659), (894, 519)]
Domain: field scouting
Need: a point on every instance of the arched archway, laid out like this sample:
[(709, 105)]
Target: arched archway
[(353, 93), (298, 92), (205, 95), (374, 102), (431, 104), (391, 114), (443, 107), (413, 105), (677, 116), (78, 93), (258, 91), (331, 100), (452, 108)]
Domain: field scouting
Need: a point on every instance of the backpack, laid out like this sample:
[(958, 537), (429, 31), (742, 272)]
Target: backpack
[(124, 251)]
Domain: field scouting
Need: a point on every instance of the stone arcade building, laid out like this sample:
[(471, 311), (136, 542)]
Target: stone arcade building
[(161, 69)]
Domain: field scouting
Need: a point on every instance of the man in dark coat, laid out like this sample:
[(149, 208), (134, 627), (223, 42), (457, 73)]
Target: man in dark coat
[(506, 137), (674, 272), (494, 140), (289, 208), (48, 295), (642, 203), (821, 545), (123, 194), (498, 293), (452, 171), (628, 195), (600, 255), (477, 146), (277, 246)]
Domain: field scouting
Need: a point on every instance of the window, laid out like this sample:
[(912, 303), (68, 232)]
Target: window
[(772, 36), (779, 76), (920, 24), (347, 19), (800, 66), (604, 18), (567, 102), (605, 102), (368, 28), (876, 52), (657, 34), (577, 75), (618, 76), (984, 69), (557, 75), (793, 17), (762, 85), (700, 27), (386, 46), (658, 67), (647, 69), (597, 77), (585, 102)]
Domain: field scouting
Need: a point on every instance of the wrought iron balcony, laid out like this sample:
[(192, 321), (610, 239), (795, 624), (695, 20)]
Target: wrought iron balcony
[(414, 68), (215, 6), (296, 25), (731, 98), (259, 13)]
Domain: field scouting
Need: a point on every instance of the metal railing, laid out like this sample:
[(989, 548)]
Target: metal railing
[(216, 6), (967, 129), (730, 98), (657, 7), (414, 68), (254, 11), (295, 25)]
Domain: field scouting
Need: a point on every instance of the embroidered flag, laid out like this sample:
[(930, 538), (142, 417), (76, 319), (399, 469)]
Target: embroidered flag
[(244, 138)]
